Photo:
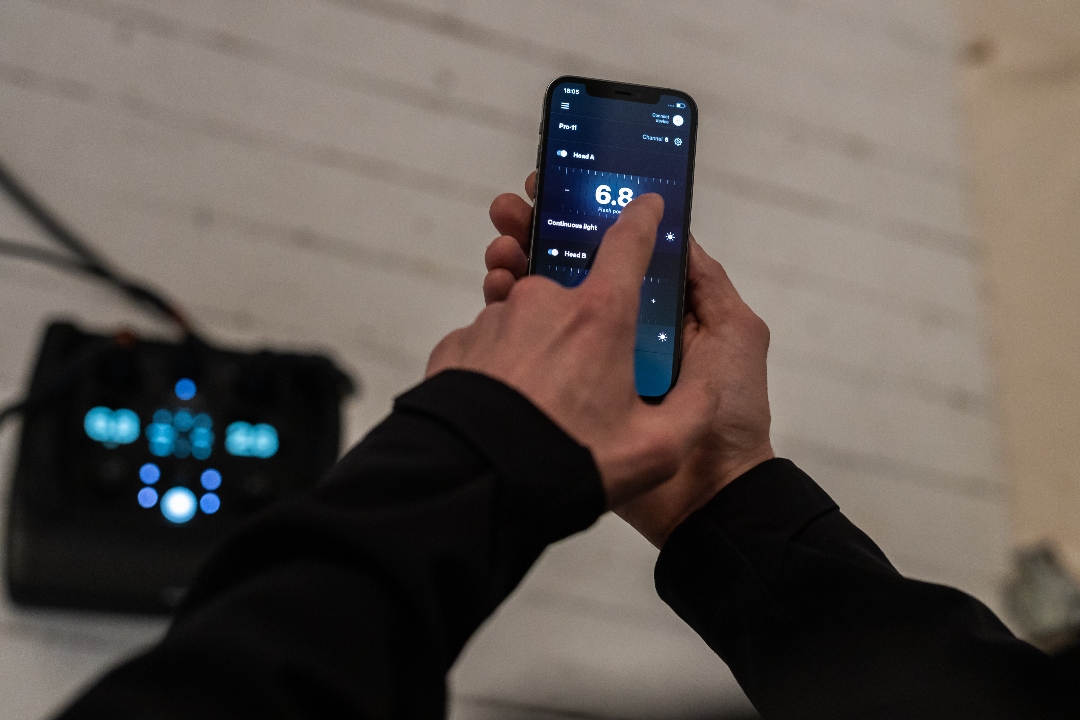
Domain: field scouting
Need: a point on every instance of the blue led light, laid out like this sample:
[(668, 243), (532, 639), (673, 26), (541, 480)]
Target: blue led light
[(112, 427), (150, 474), (202, 436), (125, 427), (181, 434), (185, 389), (147, 497), (210, 479), (246, 440), (97, 424), (183, 421), (162, 438), (209, 503), (178, 505)]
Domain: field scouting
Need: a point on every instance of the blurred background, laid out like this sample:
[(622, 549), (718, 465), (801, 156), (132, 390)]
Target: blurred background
[(891, 184)]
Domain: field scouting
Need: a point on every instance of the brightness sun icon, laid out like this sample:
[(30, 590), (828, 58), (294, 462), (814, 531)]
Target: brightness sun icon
[(662, 337), (670, 237)]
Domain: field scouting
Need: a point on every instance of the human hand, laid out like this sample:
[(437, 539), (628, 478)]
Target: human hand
[(571, 352), (723, 340)]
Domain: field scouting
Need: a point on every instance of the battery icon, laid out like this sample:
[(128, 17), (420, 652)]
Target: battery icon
[(680, 105)]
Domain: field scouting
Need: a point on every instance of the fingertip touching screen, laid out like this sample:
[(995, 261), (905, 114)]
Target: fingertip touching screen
[(598, 152)]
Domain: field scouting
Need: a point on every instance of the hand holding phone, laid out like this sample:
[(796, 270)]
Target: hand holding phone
[(571, 352), (601, 145), (725, 344)]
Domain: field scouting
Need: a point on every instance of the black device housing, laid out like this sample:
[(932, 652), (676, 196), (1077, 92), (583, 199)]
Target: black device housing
[(628, 92), (76, 535)]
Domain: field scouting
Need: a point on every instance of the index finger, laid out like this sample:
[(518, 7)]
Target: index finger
[(624, 253)]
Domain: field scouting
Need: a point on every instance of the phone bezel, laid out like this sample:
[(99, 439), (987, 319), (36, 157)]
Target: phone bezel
[(627, 92)]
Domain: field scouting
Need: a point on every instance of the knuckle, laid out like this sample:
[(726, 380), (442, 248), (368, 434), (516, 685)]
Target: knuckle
[(491, 254), (492, 288), (499, 203), (525, 289), (754, 326), (500, 252), (488, 315)]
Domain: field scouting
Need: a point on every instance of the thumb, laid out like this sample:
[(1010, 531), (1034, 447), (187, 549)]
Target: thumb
[(709, 291)]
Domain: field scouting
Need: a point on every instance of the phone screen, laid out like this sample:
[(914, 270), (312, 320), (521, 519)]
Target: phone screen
[(602, 145)]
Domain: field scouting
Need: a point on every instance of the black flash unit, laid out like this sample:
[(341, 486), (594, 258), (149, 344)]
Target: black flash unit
[(136, 458)]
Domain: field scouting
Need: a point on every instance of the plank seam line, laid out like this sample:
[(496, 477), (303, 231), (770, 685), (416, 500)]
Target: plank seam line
[(794, 445), (841, 142), (132, 104), (477, 35)]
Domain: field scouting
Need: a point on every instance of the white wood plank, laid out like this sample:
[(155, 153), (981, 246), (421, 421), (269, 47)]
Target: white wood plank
[(315, 174), (274, 108), (924, 25), (921, 527), (703, 190), (211, 178), (463, 707), (37, 678), (929, 354), (923, 131), (931, 531), (860, 342), (869, 418), (842, 261), (539, 652), (180, 166), (854, 41), (845, 342), (783, 157), (30, 302), (881, 422)]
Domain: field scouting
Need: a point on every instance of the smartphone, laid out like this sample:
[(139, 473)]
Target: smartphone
[(601, 145)]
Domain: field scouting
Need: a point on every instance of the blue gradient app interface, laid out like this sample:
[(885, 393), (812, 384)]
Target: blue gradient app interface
[(601, 153)]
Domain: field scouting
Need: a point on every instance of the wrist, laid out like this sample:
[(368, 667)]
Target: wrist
[(657, 513), (739, 466)]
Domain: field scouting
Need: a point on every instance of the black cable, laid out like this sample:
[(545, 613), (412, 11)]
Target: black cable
[(47, 220), (95, 263), (58, 261), (87, 262), (65, 263), (26, 251)]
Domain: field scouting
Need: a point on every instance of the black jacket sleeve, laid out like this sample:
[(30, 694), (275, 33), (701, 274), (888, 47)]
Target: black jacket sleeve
[(815, 623), (355, 600)]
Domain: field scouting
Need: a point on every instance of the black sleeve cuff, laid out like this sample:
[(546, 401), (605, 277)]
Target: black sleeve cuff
[(754, 516), (814, 621), (555, 481), (775, 497)]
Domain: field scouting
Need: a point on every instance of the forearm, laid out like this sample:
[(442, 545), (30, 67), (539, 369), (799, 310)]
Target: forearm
[(814, 621), (356, 599)]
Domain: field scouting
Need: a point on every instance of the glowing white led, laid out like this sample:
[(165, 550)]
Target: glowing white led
[(178, 505)]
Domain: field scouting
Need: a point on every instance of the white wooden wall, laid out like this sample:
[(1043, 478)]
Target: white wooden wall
[(316, 173)]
